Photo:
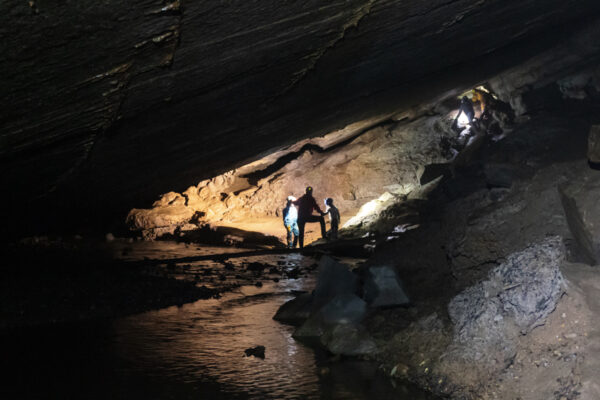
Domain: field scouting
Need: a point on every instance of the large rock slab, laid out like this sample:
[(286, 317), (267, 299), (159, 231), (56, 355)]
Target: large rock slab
[(336, 326), (295, 311), (581, 203), (594, 144), (517, 296), (348, 340), (383, 288), (333, 279), (345, 308)]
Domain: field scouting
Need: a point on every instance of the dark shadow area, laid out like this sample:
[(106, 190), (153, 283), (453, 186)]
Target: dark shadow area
[(58, 282), (254, 177), (594, 165), (222, 235)]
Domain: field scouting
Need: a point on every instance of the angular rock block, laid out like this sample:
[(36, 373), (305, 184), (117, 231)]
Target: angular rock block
[(348, 340), (383, 288), (594, 144), (333, 279), (295, 311), (581, 203), (345, 308), (498, 175)]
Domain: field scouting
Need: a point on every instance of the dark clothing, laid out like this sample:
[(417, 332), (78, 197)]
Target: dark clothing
[(306, 204), (467, 108), (334, 219), (310, 218)]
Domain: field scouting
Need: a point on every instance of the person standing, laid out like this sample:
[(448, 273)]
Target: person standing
[(466, 107), (334, 218), (290, 221), (306, 204)]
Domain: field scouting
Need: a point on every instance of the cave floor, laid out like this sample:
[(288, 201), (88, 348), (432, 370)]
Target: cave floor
[(273, 226)]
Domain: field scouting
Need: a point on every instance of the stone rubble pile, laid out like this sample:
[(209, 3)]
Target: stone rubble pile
[(332, 314)]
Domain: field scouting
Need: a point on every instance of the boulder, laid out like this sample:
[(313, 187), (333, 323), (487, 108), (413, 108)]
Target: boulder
[(498, 175), (582, 210), (333, 279), (295, 311), (345, 308), (594, 144), (348, 340), (383, 288), (518, 295)]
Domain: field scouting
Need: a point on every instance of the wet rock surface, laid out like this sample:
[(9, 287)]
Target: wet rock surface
[(295, 311)]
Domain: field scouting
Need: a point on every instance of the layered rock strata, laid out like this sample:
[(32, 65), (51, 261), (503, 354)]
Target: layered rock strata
[(107, 104)]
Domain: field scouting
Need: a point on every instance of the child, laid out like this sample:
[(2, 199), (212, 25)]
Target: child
[(290, 221), (334, 217)]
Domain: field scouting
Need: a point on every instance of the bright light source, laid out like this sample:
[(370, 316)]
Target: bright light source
[(368, 208), (463, 120)]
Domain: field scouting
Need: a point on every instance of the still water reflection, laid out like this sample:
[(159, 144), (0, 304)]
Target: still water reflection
[(191, 352)]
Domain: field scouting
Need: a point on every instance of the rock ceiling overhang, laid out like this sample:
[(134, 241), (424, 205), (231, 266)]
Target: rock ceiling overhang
[(125, 100)]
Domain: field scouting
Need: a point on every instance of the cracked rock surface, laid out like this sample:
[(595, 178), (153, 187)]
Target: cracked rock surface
[(517, 296), (114, 102)]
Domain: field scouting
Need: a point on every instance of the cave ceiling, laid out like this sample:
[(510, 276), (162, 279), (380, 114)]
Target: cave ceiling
[(118, 101)]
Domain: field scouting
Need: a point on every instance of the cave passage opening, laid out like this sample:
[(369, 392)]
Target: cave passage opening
[(373, 170)]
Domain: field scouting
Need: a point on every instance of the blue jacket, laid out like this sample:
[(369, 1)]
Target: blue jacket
[(290, 215)]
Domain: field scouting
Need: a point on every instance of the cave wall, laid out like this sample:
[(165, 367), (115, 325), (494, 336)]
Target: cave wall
[(107, 104)]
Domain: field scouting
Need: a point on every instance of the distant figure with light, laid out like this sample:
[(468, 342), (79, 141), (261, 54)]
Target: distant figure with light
[(334, 218), (306, 204), (466, 107), (290, 221), (483, 98)]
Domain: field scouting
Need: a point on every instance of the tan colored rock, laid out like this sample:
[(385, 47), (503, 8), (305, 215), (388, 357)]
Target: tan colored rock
[(170, 198), (386, 159)]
